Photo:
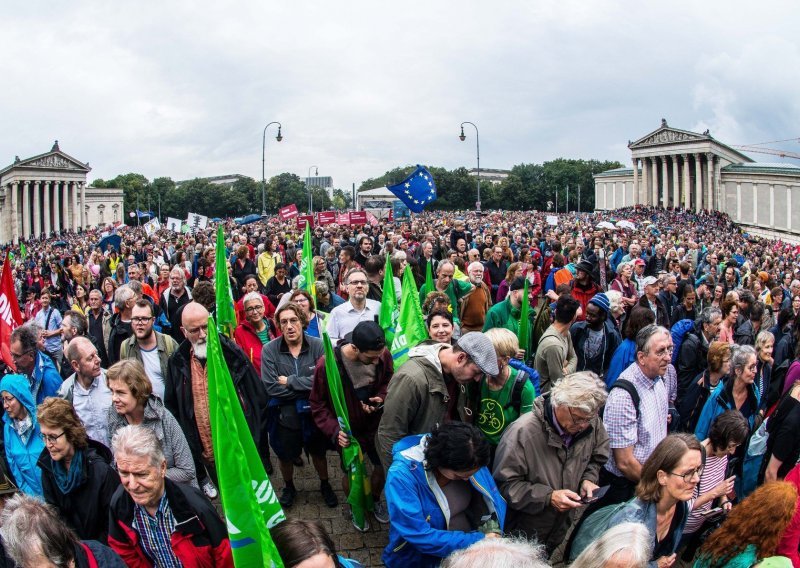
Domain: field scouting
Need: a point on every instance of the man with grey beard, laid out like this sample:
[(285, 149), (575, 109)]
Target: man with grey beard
[(186, 393)]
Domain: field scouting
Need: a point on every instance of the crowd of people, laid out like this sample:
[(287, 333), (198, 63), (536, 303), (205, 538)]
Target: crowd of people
[(624, 394)]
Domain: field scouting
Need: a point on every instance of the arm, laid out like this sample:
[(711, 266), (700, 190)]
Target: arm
[(269, 375), (627, 464), (622, 425), (402, 400), (325, 419), (600, 453), (182, 470), (572, 360)]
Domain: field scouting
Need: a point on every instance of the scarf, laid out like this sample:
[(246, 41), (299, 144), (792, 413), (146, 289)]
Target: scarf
[(67, 481), (24, 427)]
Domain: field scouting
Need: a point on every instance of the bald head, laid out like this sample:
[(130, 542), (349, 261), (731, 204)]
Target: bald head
[(194, 311), (195, 327)]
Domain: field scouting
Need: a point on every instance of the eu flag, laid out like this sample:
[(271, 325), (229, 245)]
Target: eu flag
[(417, 190)]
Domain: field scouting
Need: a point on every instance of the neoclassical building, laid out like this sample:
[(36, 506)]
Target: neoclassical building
[(48, 193), (679, 168)]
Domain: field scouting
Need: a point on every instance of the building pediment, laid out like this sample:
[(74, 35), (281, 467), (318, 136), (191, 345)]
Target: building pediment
[(54, 160), (667, 135)]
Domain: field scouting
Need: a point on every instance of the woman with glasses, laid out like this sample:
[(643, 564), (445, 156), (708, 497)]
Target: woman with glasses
[(77, 478), (441, 496), (21, 434), (668, 481), (256, 330), (133, 403), (303, 300)]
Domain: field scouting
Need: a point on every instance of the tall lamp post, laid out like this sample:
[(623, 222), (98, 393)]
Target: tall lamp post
[(279, 137), (463, 137), (308, 187)]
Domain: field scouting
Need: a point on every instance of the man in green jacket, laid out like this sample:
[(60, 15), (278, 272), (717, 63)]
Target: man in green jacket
[(454, 289), (506, 313)]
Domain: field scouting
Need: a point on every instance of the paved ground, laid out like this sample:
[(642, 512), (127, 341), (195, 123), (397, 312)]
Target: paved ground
[(364, 547)]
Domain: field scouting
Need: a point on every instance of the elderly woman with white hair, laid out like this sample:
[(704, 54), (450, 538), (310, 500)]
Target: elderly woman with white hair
[(548, 461), (627, 545), (624, 284), (499, 553)]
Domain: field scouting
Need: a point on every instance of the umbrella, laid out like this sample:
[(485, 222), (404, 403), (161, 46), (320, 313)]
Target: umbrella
[(113, 240), (248, 219), (59, 244), (626, 225), (606, 225), (216, 219)]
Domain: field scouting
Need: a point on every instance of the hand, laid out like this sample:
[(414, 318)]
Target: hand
[(564, 500), (724, 487), (520, 354), (666, 561), (343, 439), (727, 506), (282, 380), (587, 489)]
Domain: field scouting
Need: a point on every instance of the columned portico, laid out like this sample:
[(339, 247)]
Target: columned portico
[(698, 180), (687, 186), (676, 197), (654, 172), (636, 193)]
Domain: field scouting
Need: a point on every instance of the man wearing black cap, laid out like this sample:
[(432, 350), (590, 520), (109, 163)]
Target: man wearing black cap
[(365, 366), (431, 388), (583, 287), (506, 313)]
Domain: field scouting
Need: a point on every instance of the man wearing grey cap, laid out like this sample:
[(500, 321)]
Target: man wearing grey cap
[(432, 388)]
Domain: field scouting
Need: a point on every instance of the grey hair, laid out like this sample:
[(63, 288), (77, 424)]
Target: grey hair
[(707, 315), (762, 338), (646, 335), (582, 391), (321, 287), (622, 265), (32, 532), (136, 286), (631, 538), (122, 295), (250, 296), (138, 441), (740, 354), (475, 264), (177, 270), (499, 553), (77, 320), (27, 335), (614, 301), (443, 264)]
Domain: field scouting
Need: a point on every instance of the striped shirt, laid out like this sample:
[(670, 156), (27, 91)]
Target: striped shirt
[(713, 475), (155, 534), (623, 427)]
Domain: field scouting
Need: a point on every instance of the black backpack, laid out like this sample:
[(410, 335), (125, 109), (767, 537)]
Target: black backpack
[(628, 387), (516, 392)]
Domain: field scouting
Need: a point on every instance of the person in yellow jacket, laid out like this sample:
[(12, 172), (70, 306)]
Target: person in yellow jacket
[(266, 263)]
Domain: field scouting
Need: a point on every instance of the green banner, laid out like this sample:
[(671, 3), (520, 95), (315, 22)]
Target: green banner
[(307, 280), (250, 504), (387, 317), (226, 313), (525, 322), (410, 329)]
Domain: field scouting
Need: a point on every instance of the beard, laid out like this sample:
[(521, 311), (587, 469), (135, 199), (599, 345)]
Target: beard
[(200, 350)]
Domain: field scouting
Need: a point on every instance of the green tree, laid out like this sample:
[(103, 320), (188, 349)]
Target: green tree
[(284, 189), (342, 199)]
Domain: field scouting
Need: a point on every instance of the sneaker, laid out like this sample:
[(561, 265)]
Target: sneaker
[(287, 497), (381, 513), (209, 489), (328, 495), (366, 524)]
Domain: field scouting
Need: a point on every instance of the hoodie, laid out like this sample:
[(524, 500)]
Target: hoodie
[(23, 443)]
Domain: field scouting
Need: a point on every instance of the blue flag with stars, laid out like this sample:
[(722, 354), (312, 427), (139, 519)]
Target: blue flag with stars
[(417, 190)]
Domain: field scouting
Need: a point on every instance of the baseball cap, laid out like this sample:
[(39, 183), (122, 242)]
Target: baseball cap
[(648, 281), (368, 336), (517, 284), (639, 261), (481, 351)]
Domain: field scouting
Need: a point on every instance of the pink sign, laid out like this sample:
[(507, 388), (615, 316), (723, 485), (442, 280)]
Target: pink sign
[(302, 219), (343, 219), (326, 217), (288, 211), (358, 217)]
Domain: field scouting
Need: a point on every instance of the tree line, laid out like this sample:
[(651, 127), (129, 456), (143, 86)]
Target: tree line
[(528, 186)]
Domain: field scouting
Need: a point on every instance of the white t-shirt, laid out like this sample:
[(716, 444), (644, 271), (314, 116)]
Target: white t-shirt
[(152, 366)]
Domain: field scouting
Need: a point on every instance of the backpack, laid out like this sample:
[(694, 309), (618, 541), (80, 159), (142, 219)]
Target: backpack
[(628, 387), (515, 401), (678, 332)]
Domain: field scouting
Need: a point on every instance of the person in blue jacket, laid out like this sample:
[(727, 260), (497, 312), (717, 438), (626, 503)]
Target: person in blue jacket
[(40, 372), (23, 440), (441, 496)]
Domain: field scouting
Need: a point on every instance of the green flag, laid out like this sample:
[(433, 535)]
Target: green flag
[(360, 497), (525, 321), (387, 317), (410, 329), (23, 251), (226, 313), (250, 504), (307, 281), (429, 277)]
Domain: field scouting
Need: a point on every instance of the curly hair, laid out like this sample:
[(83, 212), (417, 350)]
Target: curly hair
[(436, 301), (59, 413), (759, 521)]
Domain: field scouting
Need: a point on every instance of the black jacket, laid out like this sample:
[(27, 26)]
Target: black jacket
[(692, 360), (690, 406), (600, 362), (179, 400), (85, 509), (120, 331), (662, 317)]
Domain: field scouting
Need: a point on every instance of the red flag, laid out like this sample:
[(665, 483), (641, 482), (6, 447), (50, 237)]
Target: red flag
[(288, 211), (10, 316)]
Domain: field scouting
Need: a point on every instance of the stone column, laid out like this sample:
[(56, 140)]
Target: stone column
[(14, 212), (664, 182), (676, 186), (83, 217), (64, 205), (654, 165), (57, 206), (636, 194), (46, 192), (645, 196), (26, 209), (712, 204), (75, 210), (698, 184), (686, 186), (37, 209)]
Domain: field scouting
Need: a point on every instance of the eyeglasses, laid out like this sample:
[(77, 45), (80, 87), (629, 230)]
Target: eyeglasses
[(253, 309), (688, 477), (141, 320), (666, 351), (291, 321), (198, 329), (18, 356), (50, 439), (357, 283), (580, 421), (8, 400)]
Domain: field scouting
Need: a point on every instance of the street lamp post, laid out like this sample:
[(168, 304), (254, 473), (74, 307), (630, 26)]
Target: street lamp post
[(279, 137), (462, 137), (308, 187)]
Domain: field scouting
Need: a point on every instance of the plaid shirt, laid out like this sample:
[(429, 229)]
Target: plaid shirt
[(155, 534), (619, 417)]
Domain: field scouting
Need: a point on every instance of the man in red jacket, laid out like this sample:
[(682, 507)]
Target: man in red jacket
[(365, 366)]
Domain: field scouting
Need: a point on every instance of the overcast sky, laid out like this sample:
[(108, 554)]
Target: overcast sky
[(184, 89)]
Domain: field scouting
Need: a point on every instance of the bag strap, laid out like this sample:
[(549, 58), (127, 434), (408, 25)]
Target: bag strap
[(516, 392), (628, 387)]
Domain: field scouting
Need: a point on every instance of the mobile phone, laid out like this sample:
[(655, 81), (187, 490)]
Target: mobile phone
[(598, 493), (713, 512)]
